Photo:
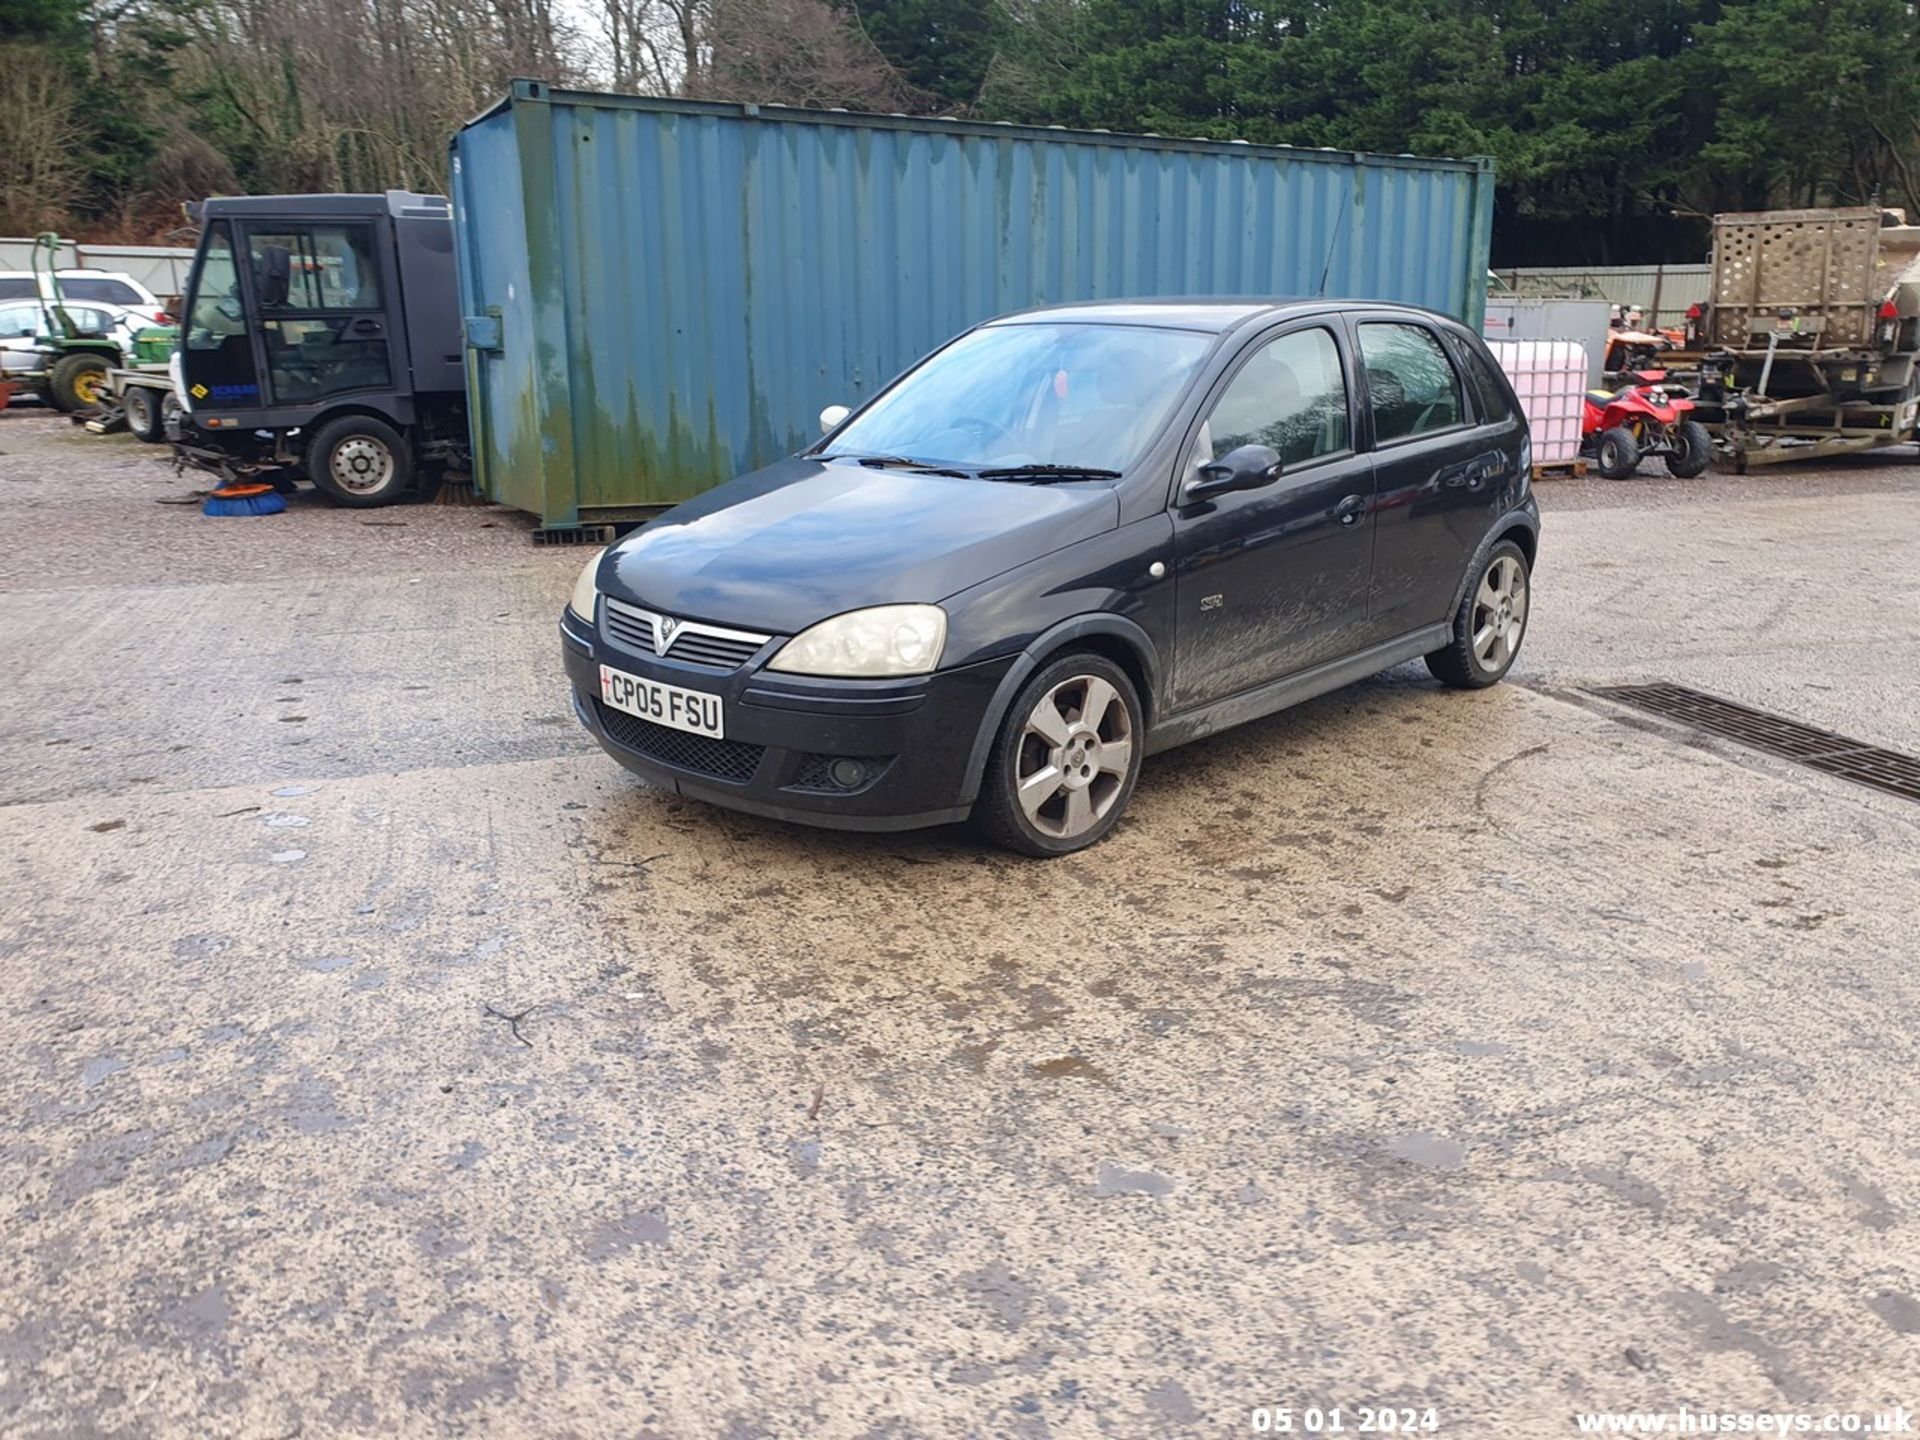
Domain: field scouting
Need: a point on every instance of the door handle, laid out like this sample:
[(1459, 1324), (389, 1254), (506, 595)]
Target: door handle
[(1349, 510), (365, 324)]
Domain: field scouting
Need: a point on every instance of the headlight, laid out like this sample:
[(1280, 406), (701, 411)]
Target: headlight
[(886, 640), (585, 592)]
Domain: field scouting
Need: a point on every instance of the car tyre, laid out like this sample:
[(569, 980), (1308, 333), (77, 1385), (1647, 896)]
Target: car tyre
[(1490, 623), (76, 382), (1692, 451), (1618, 453), (143, 414), (1065, 760), (360, 462)]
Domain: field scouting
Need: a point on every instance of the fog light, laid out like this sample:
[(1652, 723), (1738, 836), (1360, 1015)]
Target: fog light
[(847, 772)]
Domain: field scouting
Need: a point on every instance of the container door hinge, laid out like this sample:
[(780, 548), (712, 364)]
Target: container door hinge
[(482, 331)]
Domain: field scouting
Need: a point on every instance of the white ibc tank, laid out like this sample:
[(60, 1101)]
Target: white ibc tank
[(1550, 377)]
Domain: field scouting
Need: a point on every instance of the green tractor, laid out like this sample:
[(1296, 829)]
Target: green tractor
[(83, 344)]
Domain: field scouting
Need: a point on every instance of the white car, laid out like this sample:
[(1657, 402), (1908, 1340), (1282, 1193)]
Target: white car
[(110, 290)]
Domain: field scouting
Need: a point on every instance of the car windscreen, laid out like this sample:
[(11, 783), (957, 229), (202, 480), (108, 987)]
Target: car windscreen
[(1082, 395), (100, 291)]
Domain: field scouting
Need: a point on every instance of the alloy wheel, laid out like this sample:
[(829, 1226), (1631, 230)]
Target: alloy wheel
[(1075, 753), (1499, 612)]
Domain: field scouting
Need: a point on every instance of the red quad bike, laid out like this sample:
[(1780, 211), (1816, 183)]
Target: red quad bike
[(1623, 427)]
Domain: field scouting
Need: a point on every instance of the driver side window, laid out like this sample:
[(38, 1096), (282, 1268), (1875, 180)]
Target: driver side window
[(1411, 385), (1290, 396)]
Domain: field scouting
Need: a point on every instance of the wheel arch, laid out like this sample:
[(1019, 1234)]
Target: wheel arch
[(1518, 526), (1114, 637), (352, 410)]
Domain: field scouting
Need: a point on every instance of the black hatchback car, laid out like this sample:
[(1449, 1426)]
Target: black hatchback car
[(1067, 539)]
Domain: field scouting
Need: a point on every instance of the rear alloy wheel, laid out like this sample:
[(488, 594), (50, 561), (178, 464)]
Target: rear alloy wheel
[(360, 462), (1065, 762), (1489, 625), (1618, 453), (143, 414)]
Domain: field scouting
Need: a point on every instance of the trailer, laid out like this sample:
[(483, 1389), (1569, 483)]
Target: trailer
[(142, 399), (1810, 334)]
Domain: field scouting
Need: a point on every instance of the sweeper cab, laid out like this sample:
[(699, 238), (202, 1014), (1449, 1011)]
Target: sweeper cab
[(322, 341)]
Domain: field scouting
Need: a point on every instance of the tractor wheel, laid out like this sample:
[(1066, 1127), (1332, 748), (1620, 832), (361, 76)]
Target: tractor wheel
[(77, 383), (1692, 450), (143, 414), (1618, 454)]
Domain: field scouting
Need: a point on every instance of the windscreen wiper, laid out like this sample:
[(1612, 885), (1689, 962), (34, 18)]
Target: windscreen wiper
[(898, 462), (1049, 472)]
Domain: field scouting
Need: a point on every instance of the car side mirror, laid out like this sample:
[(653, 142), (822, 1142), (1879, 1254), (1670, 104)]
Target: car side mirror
[(831, 417), (1247, 468)]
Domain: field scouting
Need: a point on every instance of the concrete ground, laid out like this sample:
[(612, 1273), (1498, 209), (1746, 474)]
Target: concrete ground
[(382, 1059)]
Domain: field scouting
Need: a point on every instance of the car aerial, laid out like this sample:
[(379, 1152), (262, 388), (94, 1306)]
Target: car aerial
[(1067, 539)]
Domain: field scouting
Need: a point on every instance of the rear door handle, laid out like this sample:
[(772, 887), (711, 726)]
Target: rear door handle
[(366, 324), (1349, 510)]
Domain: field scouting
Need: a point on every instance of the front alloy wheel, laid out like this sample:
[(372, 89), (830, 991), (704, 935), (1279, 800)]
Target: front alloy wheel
[(1065, 763)]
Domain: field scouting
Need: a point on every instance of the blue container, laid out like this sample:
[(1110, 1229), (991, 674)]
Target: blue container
[(661, 294)]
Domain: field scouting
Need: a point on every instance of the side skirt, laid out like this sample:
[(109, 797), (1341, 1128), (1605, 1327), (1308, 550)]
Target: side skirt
[(1292, 689)]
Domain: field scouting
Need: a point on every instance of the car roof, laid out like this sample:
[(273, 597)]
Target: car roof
[(1214, 314)]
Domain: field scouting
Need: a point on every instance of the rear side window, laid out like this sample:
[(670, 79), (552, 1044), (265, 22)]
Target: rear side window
[(1411, 386), (17, 288), (101, 292), (1487, 386)]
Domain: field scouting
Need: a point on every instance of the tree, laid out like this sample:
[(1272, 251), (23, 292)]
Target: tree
[(42, 162), (942, 47)]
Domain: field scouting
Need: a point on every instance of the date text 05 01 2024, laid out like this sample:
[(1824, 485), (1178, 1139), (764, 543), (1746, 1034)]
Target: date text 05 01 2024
[(1343, 1420)]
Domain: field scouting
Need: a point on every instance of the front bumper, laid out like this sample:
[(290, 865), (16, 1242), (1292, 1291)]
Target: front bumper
[(912, 738)]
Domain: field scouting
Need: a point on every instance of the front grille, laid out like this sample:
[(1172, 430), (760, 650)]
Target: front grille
[(1855, 760), (690, 641), (733, 760), (631, 628)]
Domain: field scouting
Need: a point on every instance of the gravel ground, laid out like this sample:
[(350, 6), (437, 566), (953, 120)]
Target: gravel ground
[(383, 1060)]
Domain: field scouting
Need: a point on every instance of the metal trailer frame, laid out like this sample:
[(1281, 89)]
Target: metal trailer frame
[(113, 410), (1757, 428)]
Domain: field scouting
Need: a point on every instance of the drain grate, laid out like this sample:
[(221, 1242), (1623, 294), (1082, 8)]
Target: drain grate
[(1818, 749)]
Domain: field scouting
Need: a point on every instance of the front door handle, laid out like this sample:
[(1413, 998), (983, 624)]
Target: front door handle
[(1349, 510)]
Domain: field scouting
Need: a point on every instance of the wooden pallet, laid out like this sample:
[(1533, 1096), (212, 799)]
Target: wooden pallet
[(1561, 470)]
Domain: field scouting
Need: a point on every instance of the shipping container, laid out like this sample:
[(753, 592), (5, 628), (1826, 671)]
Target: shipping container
[(660, 294)]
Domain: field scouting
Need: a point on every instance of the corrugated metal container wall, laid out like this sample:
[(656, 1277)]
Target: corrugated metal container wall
[(661, 294)]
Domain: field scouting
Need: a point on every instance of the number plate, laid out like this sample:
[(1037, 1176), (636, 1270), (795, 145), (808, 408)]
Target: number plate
[(669, 705)]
